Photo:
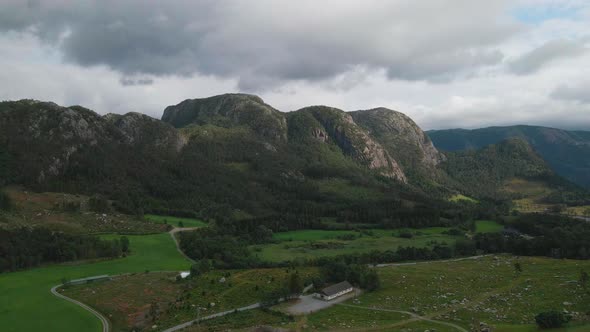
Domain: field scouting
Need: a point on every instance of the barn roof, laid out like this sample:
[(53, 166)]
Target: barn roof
[(336, 288)]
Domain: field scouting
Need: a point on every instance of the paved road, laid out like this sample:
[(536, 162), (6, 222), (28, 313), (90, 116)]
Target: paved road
[(106, 327), (411, 314), (219, 314), (172, 233), (430, 262)]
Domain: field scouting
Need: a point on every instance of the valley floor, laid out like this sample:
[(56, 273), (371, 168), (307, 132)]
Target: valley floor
[(26, 303)]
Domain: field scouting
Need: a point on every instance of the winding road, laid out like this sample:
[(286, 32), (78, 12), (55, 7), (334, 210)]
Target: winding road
[(172, 233), (106, 326)]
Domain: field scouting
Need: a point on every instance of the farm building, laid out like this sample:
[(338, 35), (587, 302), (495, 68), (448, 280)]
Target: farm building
[(334, 291), (89, 280)]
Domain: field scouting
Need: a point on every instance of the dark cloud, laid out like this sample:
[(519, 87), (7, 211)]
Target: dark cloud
[(127, 81), (266, 43), (553, 50)]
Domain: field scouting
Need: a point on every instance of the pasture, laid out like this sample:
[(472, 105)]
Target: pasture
[(317, 243), (487, 226), (27, 305)]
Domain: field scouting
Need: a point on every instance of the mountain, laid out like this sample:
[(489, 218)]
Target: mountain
[(402, 138), (567, 152), (512, 171), (233, 156), (226, 156)]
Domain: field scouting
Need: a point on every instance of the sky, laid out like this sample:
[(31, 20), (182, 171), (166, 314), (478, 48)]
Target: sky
[(445, 63)]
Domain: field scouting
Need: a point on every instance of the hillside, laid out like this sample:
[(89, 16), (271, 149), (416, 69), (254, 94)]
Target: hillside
[(567, 152), (233, 156), (513, 170), (228, 156)]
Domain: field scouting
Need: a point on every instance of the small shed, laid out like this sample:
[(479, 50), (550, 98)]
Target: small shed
[(184, 274), (331, 292)]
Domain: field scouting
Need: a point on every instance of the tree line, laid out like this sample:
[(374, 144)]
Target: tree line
[(25, 248)]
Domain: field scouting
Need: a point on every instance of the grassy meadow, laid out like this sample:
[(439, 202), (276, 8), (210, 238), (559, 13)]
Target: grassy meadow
[(317, 243), (487, 226), (468, 292), (26, 303)]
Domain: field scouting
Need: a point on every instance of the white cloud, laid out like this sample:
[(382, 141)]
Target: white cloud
[(445, 63)]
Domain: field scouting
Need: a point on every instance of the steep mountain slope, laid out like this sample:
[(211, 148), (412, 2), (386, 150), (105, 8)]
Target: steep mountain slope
[(235, 157), (402, 138), (45, 141), (330, 125), (232, 156), (568, 152)]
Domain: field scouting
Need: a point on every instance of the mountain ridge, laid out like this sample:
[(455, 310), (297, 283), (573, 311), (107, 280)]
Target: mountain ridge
[(568, 152)]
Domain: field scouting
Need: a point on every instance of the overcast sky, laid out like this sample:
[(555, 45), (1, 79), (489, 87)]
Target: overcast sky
[(445, 63)]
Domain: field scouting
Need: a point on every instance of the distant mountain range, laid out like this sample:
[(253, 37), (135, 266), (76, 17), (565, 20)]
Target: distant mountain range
[(567, 152), (234, 156)]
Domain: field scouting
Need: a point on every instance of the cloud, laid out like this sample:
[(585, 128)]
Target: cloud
[(576, 93), (267, 43), (445, 63), (129, 81), (545, 54)]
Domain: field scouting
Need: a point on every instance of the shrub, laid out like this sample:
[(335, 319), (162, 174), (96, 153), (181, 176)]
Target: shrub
[(5, 202), (406, 235), (551, 319)]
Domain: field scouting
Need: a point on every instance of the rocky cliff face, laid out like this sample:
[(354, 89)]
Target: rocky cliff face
[(140, 129), (400, 136), (229, 110), (44, 137), (339, 126), (379, 139)]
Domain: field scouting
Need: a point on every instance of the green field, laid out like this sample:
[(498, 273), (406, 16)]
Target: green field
[(488, 226), (27, 305), (469, 292), (316, 243), (174, 221)]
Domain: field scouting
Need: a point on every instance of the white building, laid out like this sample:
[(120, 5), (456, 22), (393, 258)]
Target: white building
[(334, 291)]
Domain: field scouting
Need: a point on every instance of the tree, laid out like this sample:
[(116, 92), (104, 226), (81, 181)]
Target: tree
[(584, 279), (124, 244), (5, 202), (518, 268), (370, 280), (200, 267), (295, 285), (98, 203), (180, 224), (551, 319)]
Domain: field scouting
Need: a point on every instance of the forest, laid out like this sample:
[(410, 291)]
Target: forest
[(25, 248)]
